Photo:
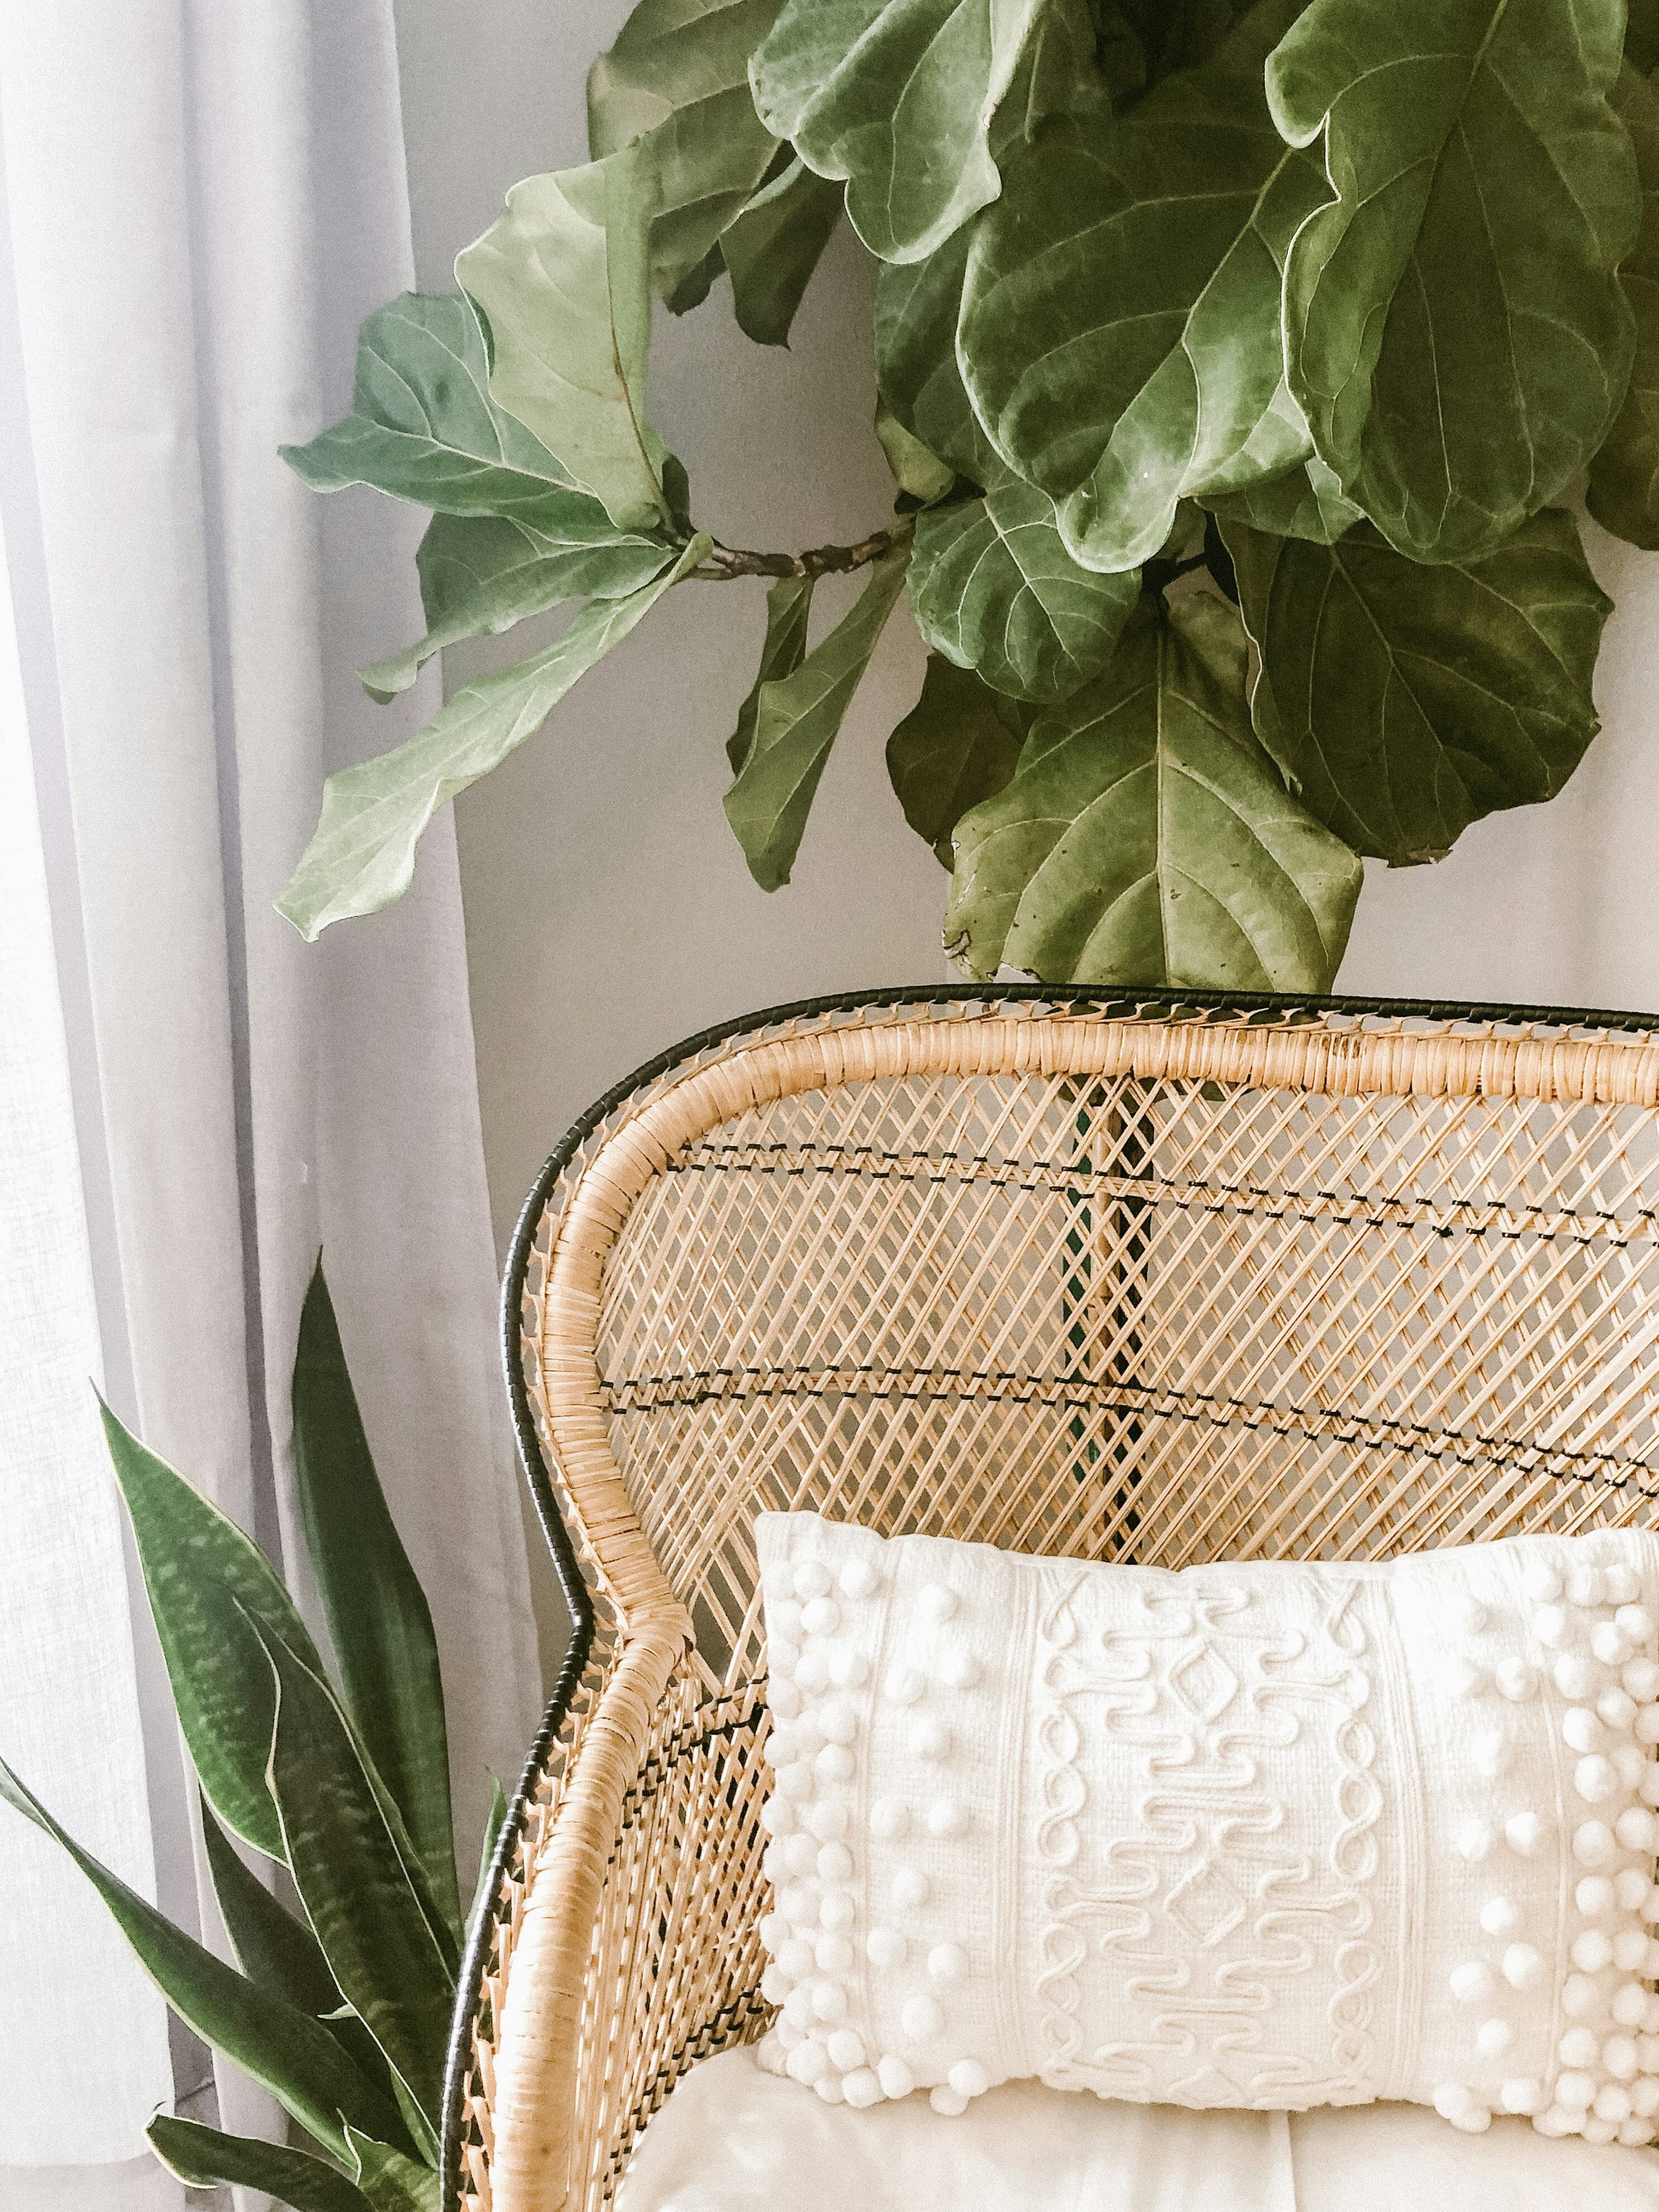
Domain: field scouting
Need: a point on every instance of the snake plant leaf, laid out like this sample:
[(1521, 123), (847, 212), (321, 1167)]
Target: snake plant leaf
[(422, 425), (493, 1824), (362, 855), (392, 2182), (1145, 837), (788, 611), (272, 1948), (202, 2157), (480, 574), (774, 246), (1454, 328), (1405, 702), (678, 79), (275, 2045), (958, 745), (1624, 477), (994, 588), (278, 1953), (354, 1882), (1119, 328), (563, 282), (203, 1577), (897, 98), (379, 1621), (798, 718), (1304, 502)]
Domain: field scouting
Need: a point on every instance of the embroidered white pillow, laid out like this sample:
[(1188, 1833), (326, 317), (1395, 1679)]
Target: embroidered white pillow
[(1256, 1835)]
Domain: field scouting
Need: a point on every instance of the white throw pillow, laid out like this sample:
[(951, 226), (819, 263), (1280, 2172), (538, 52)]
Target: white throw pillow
[(1260, 1835)]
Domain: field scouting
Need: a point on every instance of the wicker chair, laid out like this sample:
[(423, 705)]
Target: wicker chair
[(1159, 1280)]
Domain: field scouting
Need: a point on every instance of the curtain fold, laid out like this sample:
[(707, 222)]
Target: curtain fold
[(202, 202)]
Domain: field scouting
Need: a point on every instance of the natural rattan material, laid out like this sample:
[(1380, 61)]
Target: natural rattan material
[(1162, 1284)]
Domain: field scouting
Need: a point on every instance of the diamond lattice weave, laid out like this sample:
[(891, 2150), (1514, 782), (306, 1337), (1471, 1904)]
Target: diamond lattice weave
[(1268, 1835)]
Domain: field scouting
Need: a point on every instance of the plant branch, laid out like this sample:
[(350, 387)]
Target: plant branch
[(726, 563)]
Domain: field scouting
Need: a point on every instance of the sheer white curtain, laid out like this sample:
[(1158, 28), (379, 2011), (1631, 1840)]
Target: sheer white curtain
[(202, 198)]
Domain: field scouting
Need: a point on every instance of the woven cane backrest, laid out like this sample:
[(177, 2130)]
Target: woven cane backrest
[(1114, 1285)]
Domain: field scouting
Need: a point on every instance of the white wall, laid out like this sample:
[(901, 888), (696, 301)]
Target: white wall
[(609, 912)]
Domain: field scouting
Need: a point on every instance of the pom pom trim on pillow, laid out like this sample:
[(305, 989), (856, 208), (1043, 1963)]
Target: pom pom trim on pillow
[(1262, 1835)]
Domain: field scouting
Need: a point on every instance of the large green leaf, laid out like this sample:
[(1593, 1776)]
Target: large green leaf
[(1120, 327), (1454, 328), (379, 1621), (788, 611), (1149, 40), (202, 2158), (994, 588), (1624, 477), (391, 2182), (363, 854), (1405, 702), (796, 720), (678, 75), (353, 1878), (1146, 838), (958, 745), (897, 97), (423, 426), (917, 304), (774, 246), (480, 574), (282, 2049), (203, 1577), (562, 281)]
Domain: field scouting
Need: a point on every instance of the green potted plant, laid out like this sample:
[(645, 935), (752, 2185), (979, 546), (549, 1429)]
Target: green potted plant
[(341, 2008), (1235, 364)]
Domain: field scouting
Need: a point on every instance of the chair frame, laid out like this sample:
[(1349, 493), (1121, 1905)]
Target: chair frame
[(469, 2086)]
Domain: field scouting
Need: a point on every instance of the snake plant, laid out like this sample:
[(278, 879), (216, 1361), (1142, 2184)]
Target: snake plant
[(340, 2001)]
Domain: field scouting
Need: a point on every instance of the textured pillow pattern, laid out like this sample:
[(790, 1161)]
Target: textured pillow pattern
[(1263, 1835)]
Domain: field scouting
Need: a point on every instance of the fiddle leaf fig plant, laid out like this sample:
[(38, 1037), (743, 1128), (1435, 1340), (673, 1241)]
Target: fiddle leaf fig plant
[(340, 2000), (1237, 367)]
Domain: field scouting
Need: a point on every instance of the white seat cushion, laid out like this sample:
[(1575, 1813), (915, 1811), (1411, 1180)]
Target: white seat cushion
[(734, 2139)]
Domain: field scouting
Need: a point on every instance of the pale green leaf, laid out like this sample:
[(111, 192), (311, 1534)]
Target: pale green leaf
[(774, 246), (1454, 328), (994, 588), (353, 1879), (1145, 837), (423, 426), (798, 718), (678, 78), (378, 1622), (916, 471), (1406, 701), (275, 2045), (562, 281), (482, 574), (1304, 502), (958, 745), (788, 611), (391, 2182), (1120, 325), (203, 1577), (1624, 477), (202, 2157), (363, 854), (897, 97)]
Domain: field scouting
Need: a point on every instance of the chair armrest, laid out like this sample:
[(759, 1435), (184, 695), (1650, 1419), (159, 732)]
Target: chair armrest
[(637, 1951)]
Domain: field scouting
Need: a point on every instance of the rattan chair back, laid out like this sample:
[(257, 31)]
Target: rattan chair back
[(1149, 1282)]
